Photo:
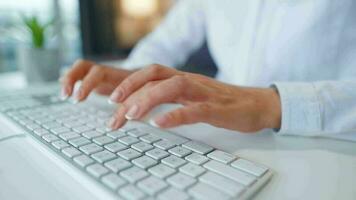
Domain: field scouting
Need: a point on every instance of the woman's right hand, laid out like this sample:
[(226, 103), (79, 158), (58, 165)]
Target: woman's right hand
[(102, 79)]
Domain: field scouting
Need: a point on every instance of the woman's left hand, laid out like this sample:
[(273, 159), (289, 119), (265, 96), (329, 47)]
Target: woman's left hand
[(204, 100)]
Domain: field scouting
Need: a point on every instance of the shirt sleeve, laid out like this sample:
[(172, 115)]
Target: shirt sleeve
[(180, 33), (323, 108)]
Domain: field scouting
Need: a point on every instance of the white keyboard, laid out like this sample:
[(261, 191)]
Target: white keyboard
[(136, 161)]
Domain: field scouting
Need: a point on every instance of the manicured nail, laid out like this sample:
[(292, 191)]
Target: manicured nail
[(116, 96), (75, 101), (131, 114), (112, 123), (64, 94), (79, 94), (110, 102), (153, 123), (160, 121)]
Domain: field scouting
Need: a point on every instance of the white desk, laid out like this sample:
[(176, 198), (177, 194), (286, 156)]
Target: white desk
[(305, 168)]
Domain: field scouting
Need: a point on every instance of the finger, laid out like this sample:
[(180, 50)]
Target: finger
[(118, 119), (78, 71), (91, 80), (140, 78), (104, 89), (181, 116), (167, 91)]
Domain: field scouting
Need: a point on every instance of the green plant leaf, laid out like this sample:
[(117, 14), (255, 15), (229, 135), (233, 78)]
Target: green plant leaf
[(37, 30)]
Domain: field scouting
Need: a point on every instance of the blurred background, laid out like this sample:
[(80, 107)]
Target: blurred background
[(101, 30)]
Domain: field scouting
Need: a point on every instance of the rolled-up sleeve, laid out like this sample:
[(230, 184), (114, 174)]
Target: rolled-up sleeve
[(318, 108), (181, 33)]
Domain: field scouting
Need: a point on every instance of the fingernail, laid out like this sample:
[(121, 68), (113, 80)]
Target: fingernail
[(112, 123), (79, 94), (131, 114), (153, 123), (160, 121), (116, 96), (75, 101), (110, 102), (64, 94)]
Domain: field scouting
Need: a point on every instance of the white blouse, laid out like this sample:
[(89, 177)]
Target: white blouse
[(306, 48)]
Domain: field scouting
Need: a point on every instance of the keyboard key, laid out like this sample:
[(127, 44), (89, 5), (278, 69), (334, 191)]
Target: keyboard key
[(157, 153), (173, 193), (136, 133), (50, 125), (83, 160), (97, 170), (134, 174), (161, 171), (180, 151), (150, 138), (128, 140), (144, 162), (164, 144), (115, 147), (181, 181), (131, 192), (142, 147), (80, 141), (103, 156), (71, 152), (229, 172), (69, 135), (113, 181), (197, 158), (250, 167), (116, 134), (91, 148), (152, 185), (50, 138), (203, 191), (103, 140), (198, 147), (129, 154), (72, 123), (60, 144), (81, 129), (92, 134), (221, 156), (224, 184), (33, 126), (59, 130), (173, 161), (41, 131), (118, 164), (192, 170), (102, 129)]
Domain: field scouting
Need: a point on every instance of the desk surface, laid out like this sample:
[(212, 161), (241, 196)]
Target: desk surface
[(305, 168)]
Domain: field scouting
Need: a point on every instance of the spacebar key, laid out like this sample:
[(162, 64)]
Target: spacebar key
[(229, 172)]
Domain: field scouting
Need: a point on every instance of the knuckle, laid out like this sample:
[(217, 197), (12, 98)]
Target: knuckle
[(177, 116), (155, 69), (204, 107), (149, 84), (79, 62), (180, 81), (127, 85)]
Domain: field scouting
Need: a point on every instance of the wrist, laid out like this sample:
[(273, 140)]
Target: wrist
[(272, 112)]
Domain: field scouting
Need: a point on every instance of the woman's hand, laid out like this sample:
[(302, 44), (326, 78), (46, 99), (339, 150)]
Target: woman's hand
[(96, 77), (203, 99)]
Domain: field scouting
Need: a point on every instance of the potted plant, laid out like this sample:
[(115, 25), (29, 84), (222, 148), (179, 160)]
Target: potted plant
[(38, 62)]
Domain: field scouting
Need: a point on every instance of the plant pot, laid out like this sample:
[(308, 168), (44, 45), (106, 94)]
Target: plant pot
[(39, 65)]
